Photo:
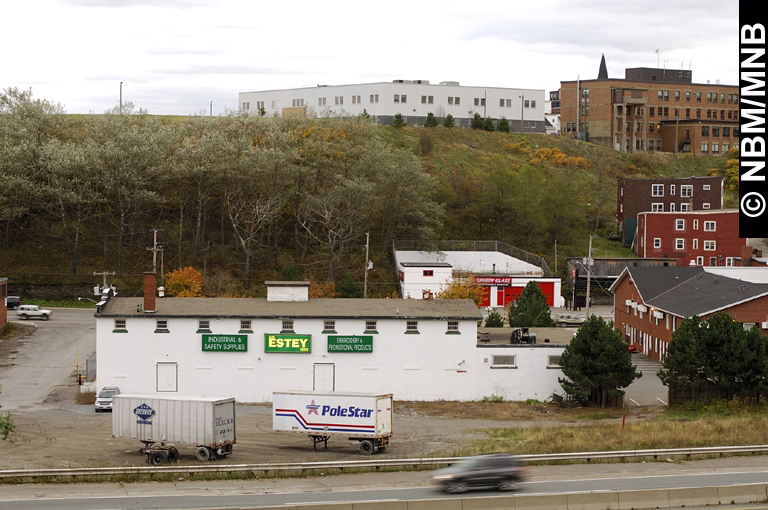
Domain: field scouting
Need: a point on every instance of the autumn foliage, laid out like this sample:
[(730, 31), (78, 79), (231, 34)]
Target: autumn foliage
[(187, 282)]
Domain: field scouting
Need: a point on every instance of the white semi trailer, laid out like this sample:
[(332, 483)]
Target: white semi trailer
[(362, 417), (206, 423)]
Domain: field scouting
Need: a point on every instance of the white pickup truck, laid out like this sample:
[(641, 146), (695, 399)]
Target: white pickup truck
[(32, 312)]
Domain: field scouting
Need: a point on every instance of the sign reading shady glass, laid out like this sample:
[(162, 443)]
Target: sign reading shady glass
[(350, 343), (225, 343)]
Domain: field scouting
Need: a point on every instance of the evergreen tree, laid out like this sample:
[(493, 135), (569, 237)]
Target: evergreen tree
[(597, 362), (477, 122), (494, 320), (531, 309), (504, 125), (488, 124), (431, 120), (449, 122), (683, 362), (398, 121), (348, 288)]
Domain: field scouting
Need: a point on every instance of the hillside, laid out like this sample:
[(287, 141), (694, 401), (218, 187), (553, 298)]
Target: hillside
[(246, 199)]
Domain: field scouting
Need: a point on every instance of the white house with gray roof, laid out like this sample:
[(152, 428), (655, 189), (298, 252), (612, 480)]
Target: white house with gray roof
[(251, 347)]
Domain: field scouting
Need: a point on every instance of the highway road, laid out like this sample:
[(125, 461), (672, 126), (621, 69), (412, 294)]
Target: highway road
[(374, 487), (49, 358)]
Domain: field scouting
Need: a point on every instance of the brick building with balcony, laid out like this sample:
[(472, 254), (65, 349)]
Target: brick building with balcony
[(654, 110), (666, 194)]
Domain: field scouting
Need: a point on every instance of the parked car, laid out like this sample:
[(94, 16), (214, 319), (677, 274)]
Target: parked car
[(104, 398), (32, 312), (632, 349), (500, 470), (13, 302)]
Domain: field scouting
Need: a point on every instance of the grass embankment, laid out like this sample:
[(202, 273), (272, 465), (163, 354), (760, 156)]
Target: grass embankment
[(686, 426)]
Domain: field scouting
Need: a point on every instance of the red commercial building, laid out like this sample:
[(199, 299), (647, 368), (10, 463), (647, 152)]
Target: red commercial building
[(700, 238), (651, 302)]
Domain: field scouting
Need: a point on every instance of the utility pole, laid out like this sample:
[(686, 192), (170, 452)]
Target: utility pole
[(104, 274), (367, 267), (589, 272), (155, 249)]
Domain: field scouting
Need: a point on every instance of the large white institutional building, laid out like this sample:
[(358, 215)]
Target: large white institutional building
[(413, 99)]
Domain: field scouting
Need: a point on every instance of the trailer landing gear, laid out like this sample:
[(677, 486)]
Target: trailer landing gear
[(319, 439)]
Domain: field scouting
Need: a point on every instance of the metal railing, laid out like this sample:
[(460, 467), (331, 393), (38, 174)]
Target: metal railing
[(373, 463)]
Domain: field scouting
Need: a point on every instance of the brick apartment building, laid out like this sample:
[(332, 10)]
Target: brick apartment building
[(654, 110), (651, 302), (667, 194), (701, 238)]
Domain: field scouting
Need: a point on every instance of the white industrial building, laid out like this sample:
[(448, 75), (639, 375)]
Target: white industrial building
[(250, 347), (413, 99)]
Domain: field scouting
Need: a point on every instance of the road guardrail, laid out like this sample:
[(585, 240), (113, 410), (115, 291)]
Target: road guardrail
[(374, 463)]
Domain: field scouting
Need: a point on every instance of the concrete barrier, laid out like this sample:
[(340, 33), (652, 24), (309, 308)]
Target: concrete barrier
[(747, 493), (434, 504), (651, 498), (593, 501), (492, 503), (541, 502), (699, 496), (380, 505)]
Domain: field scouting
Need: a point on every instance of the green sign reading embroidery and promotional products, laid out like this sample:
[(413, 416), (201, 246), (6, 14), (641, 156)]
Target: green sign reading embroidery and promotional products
[(350, 343), (225, 343), (288, 343)]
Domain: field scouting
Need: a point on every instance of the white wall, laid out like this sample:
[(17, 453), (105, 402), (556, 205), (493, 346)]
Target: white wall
[(413, 106), (430, 365)]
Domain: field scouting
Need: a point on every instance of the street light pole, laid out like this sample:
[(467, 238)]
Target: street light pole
[(522, 114), (589, 272)]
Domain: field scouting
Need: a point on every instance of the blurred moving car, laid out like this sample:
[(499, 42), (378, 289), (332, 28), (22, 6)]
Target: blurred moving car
[(104, 398), (503, 471), (13, 302), (33, 311)]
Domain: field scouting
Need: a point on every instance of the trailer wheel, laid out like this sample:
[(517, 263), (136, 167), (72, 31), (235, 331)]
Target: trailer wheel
[(203, 454), (157, 458), (366, 447), (173, 454)]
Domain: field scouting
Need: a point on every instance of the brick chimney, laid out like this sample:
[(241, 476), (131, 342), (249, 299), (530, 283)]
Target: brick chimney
[(149, 292)]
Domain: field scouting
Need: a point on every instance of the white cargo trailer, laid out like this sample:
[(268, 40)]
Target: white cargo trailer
[(206, 423), (362, 417)]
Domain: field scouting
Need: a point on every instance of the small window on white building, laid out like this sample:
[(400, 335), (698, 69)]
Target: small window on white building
[(120, 325), (329, 326), (453, 326), (370, 326), (412, 327), (161, 326), (245, 325), (506, 361), (288, 325), (553, 362), (203, 325)]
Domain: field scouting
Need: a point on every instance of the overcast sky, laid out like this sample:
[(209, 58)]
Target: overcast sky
[(174, 57)]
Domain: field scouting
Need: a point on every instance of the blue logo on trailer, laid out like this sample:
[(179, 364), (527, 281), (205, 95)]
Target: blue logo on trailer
[(145, 414)]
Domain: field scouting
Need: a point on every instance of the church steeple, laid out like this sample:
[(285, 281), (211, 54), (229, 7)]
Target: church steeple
[(603, 73)]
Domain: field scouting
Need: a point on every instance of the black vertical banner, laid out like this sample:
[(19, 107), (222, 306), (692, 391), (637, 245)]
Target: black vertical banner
[(753, 188)]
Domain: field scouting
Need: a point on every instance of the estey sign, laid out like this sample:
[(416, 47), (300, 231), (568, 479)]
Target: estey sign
[(752, 185)]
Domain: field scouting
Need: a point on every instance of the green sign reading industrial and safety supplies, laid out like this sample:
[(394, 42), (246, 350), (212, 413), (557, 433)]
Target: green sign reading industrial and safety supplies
[(225, 343), (352, 343), (288, 343)]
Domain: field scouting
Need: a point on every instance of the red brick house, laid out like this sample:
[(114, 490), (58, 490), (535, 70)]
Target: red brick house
[(651, 302), (700, 238), (664, 194)]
